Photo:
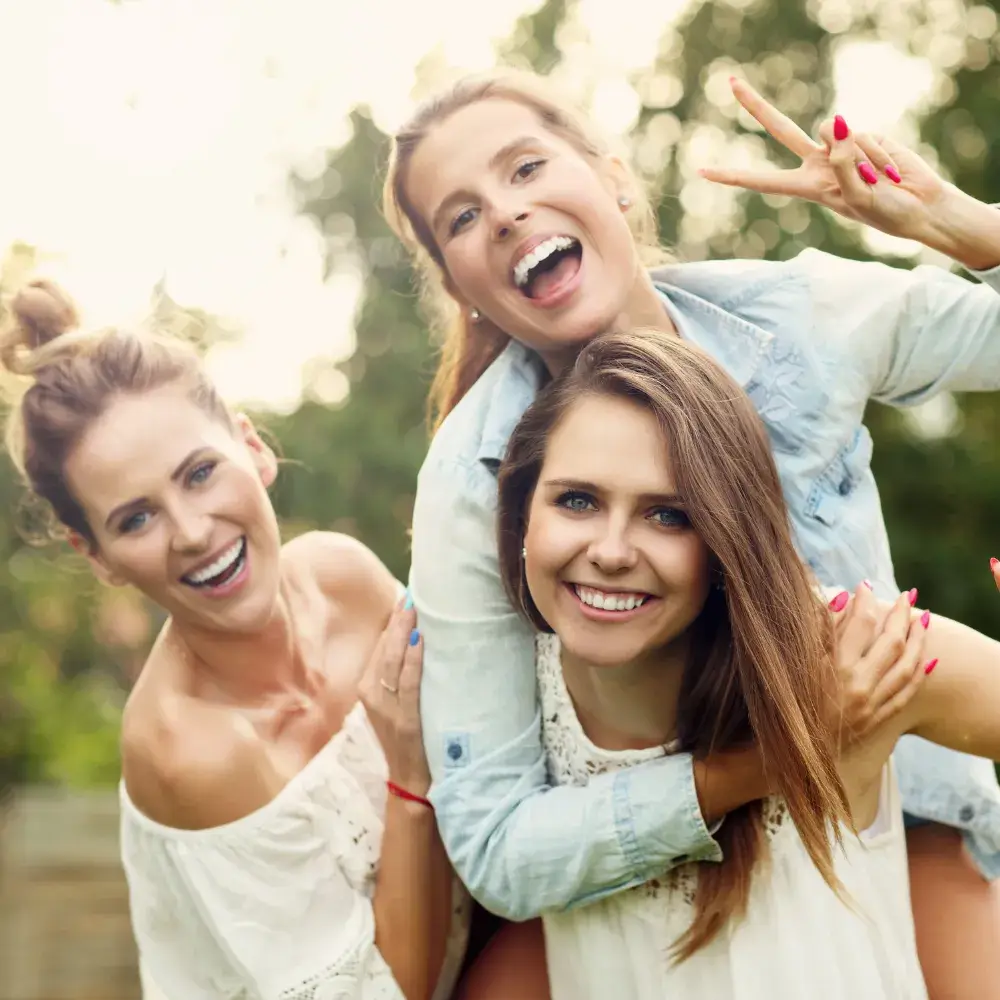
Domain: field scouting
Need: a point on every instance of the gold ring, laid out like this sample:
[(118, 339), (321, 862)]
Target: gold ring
[(388, 687)]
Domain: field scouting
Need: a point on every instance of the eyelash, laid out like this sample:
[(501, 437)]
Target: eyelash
[(680, 519), (209, 467), (455, 226)]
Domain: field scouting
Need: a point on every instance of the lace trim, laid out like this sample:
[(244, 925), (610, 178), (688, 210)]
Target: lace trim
[(360, 975), (573, 760)]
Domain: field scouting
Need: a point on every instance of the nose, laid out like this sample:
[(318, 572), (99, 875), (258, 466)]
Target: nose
[(612, 551), (192, 530), (506, 220)]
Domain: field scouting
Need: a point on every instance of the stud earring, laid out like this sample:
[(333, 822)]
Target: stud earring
[(475, 315), (524, 553), (624, 202)]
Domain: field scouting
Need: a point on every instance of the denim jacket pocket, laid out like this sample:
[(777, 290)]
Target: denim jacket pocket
[(832, 491)]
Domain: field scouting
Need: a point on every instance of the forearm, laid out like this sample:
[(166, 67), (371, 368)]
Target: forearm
[(523, 847), (958, 705), (726, 781), (967, 230), (412, 901)]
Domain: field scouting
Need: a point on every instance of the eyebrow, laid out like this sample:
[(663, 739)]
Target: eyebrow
[(187, 462), (503, 153), (580, 484)]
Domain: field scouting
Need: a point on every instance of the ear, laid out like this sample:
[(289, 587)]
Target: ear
[(98, 565), (263, 457), (617, 179)]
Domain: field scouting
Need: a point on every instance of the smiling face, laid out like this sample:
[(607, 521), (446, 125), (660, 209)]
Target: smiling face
[(529, 227), (178, 507), (613, 564)]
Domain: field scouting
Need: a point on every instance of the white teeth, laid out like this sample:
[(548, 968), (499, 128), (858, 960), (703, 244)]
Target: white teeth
[(219, 566), (608, 602), (523, 268)]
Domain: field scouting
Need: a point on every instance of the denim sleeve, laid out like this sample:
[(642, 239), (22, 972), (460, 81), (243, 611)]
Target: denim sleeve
[(520, 845), (911, 333)]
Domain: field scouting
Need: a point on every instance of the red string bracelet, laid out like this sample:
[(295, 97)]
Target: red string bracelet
[(402, 793)]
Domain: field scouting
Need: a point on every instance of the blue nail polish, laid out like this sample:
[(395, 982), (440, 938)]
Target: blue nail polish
[(414, 637), (409, 600)]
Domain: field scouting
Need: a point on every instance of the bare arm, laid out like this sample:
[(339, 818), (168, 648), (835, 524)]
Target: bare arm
[(414, 886)]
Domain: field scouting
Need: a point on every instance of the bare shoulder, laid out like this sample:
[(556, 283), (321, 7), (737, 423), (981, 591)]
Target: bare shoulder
[(189, 765), (346, 571)]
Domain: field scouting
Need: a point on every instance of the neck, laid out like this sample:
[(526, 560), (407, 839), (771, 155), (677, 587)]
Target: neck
[(643, 310), (246, 668), (630, 706)]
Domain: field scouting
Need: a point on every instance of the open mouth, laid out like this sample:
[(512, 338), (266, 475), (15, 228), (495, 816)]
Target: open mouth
[(611, 601), (548, 266), (221, 570)]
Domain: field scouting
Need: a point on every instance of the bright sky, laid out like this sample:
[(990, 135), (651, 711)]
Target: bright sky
[(152, 138)]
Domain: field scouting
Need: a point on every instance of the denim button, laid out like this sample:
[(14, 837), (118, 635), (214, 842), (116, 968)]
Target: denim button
[(455, 750), (845, 486), (966, 813)]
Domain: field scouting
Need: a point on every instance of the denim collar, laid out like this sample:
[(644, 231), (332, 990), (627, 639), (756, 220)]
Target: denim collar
[(737, 343)]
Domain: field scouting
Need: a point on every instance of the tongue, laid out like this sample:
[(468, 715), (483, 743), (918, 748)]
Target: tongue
[(548, 281)]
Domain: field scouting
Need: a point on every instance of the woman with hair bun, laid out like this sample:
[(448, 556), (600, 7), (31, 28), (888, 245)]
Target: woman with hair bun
[(276, 832)]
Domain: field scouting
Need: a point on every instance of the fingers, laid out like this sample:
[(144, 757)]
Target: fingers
[(780, 126), (878, 156), (855, 175), (902, 681), (386, 663), (768, 181), (995, 568), (857, 627)]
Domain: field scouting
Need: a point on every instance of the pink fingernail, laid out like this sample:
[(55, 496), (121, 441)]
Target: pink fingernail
[(868, 584), (994, 563), (868, 175), (930, 666), (840, 601), (893, 174), (912, 596), (840, 129), (925, 619)]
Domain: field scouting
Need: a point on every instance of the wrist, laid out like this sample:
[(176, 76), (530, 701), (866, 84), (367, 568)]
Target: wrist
[(727, 780), (964, 228), (410, 795)]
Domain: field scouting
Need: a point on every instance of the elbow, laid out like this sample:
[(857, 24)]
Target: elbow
[(486, 873)]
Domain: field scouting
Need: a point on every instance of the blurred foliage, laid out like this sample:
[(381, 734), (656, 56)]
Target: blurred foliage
[(68, 648)]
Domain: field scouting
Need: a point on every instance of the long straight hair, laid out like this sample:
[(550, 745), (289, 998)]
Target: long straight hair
[(761, 666)]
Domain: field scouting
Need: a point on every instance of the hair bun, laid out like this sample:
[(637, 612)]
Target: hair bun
[(40, 313), (43, 311)]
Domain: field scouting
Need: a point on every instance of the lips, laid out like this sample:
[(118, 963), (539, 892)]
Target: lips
[(219, 568)]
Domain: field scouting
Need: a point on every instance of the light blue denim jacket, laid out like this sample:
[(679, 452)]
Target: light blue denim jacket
[(810, 340)]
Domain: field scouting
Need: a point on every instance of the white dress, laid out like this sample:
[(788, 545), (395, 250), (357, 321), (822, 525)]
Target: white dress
[(797, 939), (276, 905)]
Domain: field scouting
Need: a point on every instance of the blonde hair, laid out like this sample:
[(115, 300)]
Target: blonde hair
[(60, 379), (467, 350)]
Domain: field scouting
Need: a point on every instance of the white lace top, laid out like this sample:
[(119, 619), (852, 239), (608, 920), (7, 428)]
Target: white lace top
[(277, 905), (797, 939)]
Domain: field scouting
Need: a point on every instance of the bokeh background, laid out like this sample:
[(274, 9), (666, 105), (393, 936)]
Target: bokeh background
[(217, 164)]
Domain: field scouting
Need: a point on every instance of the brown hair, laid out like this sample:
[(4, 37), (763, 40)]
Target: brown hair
[(761, 664), (468, 350), (64, 379)]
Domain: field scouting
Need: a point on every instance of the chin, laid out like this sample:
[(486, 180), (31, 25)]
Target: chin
[(607, 653)]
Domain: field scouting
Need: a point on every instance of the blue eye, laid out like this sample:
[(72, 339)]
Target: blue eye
[(133, 522), (576, 501), (669, 517), (200, 473), (460, 221)]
